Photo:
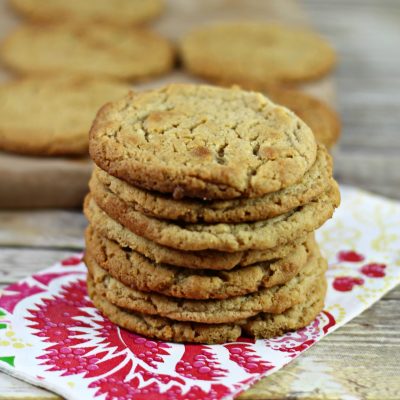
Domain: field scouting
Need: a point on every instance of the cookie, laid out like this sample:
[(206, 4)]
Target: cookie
[(314, 183), (52, 116), (256, 55), (269, 325), (206, 259), (120, 12), (263, 325), (275, 300), (323, 121), (260, 235), (92, 50), (202, 141), (138, 272)]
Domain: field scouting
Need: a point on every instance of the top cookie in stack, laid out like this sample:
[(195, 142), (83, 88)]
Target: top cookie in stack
[(202, 211), (203, 142)]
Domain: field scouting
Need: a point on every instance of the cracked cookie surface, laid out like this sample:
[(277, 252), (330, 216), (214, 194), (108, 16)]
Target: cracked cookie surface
[(256, 55), (314, 183), (202, 141), (138, 272), (275, 300), (263, 325), (260, 235), (91, 50)]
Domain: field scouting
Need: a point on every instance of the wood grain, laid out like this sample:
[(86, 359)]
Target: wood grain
[(45, 229), (367, 37)]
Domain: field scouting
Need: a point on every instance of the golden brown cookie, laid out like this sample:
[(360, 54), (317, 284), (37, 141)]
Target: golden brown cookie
[(314, 183), (263, 325), (256, 55), (206, 259), (274, 300), (92, 50), (323, 120), (138, 272), (202, 141), (115, 12), (259, 235), (52, 116)]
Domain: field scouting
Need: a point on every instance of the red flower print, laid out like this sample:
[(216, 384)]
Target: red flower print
[(374, 270), (350, 256), (346, 283)]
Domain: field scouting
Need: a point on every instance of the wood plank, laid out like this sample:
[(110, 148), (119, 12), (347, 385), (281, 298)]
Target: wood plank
[(368, 81), (62, 229), (15, 389), (16, 263), (357, 168)]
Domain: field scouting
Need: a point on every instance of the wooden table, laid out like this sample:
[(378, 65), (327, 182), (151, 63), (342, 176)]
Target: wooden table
[(360, 360)]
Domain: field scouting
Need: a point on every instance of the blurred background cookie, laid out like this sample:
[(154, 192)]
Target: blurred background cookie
[(117, 12), (256, 55), (93, 40), (322, 119), (87, 50), (52, 116)]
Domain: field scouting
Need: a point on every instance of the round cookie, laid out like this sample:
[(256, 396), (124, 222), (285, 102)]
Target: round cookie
[(268, 325), (263, 325), (272, 300), (116, 12), (140, 273), (52, 116), (94, 50), (260, 235), (202, 141), (323, 120), (206, 259), (256, 55), (314, 183)]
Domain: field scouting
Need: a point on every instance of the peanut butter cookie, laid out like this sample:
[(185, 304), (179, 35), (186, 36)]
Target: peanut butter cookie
[(274, 300), (52, 116), (116, 12), (263, 325), (90, 50), (138, 272), (315, 181), (202, 141), (256, 55)]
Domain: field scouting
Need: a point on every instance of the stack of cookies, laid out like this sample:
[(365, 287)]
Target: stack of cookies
[(201, 212)]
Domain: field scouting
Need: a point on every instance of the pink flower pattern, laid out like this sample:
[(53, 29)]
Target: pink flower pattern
[(77, 341)]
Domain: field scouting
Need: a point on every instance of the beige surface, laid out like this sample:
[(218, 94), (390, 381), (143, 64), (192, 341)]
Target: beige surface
[(47, 182), (38, 176)]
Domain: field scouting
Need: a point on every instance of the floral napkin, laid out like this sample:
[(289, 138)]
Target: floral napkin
[(53, 337)]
